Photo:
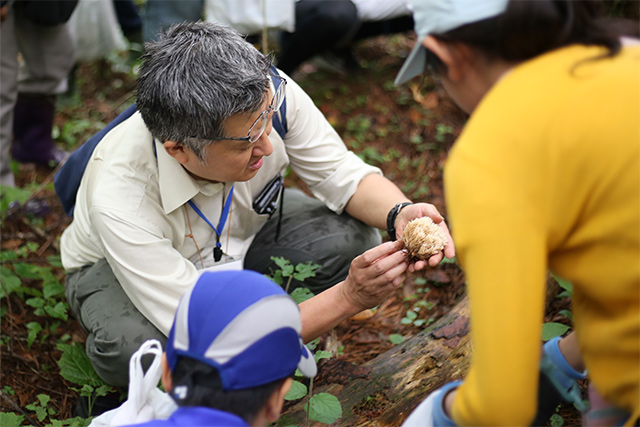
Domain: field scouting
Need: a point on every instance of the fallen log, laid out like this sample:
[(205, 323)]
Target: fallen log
[(385, 390)]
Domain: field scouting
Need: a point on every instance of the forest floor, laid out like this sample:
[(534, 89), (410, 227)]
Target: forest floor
[(406, 131)]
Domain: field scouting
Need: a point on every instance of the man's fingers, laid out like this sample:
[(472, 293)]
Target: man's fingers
[(374, 254)]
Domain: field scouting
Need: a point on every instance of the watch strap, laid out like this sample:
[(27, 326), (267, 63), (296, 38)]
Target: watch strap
[(391, 218)]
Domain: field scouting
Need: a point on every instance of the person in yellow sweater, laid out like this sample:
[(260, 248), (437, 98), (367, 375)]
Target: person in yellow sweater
[(545, 176)]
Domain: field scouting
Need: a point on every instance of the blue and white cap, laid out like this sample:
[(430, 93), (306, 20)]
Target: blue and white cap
[(242, 324), (440, 16)]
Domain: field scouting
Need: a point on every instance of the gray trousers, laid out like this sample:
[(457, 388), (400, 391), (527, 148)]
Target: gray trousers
[(48, 56), (309, 232)]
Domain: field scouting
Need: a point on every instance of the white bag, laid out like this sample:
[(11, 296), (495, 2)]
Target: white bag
[(145, 401), (95, 29), (252, 16)]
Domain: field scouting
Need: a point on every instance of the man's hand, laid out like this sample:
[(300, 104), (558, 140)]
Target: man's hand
[(418, 210), (375, 274)]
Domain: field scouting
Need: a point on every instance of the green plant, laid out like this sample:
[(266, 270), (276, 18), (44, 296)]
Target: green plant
[(287, 271), (322, 407), (551, 330), (556, 420), (442, 131), (371, 155), (396, 338), (10, 419), (76, 367)]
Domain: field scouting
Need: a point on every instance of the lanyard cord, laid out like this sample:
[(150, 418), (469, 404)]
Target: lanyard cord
[(217, 251)]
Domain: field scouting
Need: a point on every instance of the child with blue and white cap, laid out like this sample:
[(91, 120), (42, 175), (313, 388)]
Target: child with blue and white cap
[(545, 176), (234, 345)]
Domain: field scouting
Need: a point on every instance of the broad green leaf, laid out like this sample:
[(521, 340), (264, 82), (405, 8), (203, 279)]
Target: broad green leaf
[(324, 408), (396, 338), (556, 420), (10, 282), (304, 271), (551, 330), (54, 260), (419, 281), (564, 284), (8, 256), (301, 294), (276, 276), (11, 194), (75, 365), (284, 264), (58, 311), (297, 391), (32, 246), (35, 302), (44, 399), (34, 329), (27, 271), (566, 313), (319, 355), (52, 289), (9, 419)]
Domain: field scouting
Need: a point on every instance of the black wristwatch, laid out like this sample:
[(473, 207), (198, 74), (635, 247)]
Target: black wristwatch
[(391, 219)]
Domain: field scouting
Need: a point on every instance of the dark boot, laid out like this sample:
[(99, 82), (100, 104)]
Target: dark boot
[(32, 124)]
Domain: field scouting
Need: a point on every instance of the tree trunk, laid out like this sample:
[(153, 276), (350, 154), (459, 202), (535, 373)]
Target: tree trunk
[(386, 389)]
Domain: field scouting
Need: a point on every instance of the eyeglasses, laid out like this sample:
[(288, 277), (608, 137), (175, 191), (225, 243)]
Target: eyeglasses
[(257, 128)]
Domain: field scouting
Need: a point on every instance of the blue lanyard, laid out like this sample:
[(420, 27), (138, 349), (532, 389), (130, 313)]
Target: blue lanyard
[(217, 251)]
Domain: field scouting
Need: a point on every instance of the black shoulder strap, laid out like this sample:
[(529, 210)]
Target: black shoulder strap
[(279, 120), (67, 180)]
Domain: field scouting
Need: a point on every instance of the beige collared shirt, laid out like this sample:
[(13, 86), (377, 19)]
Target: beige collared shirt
[(131, 205)]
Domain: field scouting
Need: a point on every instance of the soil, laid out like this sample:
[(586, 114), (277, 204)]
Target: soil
[(406, 131)]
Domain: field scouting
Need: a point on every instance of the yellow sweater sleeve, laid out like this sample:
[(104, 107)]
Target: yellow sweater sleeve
[(500, 241)]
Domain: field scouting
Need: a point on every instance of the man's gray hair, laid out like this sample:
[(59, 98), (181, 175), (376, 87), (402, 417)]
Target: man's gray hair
[(194, 77)]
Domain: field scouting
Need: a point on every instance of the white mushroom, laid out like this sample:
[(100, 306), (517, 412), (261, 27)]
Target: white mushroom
[(423, 238)]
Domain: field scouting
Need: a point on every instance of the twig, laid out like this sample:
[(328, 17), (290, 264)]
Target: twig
[(15, 407)]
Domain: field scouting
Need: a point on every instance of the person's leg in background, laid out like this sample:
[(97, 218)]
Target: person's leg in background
[(160, 14), (48, 56), (129, 20), (321, 26), (311, 232), (8, 94)]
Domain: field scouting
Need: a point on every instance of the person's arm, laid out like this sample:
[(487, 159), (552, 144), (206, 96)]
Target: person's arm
[(376, 196), (151, 271), (373, 277), (373, 199)]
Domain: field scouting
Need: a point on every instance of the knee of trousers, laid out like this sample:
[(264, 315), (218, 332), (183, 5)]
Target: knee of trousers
[(110, 353)]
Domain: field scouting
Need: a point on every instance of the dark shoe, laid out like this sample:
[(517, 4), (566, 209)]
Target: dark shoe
[(32, 123)]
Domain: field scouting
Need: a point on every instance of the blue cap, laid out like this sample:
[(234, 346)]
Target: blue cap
[(243, 325), (440, 16)]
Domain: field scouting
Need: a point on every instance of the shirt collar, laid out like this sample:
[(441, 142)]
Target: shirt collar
[(177, 187)]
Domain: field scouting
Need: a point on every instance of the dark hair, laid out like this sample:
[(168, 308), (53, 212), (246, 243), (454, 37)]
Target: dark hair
[(529, 28), (194, 77), (197, 384)]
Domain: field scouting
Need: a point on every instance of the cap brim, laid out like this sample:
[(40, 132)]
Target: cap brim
[(307, 365), (414, 65)]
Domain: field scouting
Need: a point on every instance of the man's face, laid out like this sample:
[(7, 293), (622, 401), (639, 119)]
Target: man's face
[(229, 160)]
